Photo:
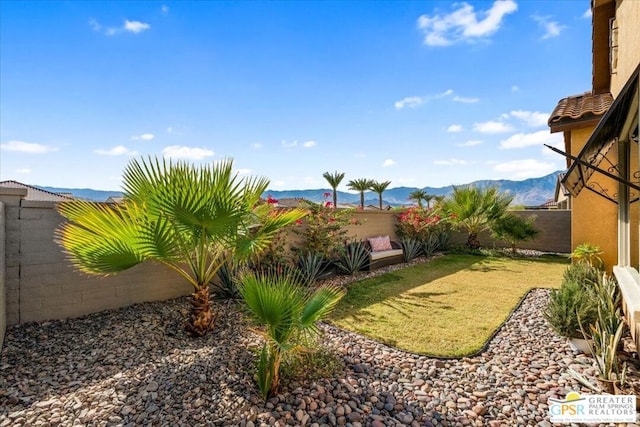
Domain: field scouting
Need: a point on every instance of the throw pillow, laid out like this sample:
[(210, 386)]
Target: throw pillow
[(382, 243)]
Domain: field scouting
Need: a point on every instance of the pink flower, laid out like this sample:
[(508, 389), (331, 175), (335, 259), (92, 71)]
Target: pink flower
[(326, 194), (327, 204)]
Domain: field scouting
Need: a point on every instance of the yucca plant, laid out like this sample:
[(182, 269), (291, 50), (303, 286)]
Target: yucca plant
[(411, 248), (191, 219), (354, 258), (288, 313)]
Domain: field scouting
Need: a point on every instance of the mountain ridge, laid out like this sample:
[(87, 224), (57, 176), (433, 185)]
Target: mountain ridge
[(527, 192)]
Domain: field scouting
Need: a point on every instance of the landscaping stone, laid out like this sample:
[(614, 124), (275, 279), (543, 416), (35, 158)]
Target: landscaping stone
[(134, 366)]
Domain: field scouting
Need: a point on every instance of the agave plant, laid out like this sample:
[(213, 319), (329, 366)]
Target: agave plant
[(411, 248), (190, 219), (289, 313), (311, 266), (354, 258)]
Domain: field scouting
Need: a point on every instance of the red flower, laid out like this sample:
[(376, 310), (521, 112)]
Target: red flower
[(298, 221), (326, 194), (271, 200), (327, 204)]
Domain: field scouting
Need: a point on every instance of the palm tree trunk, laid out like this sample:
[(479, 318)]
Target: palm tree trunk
[(335, 198), (362, 200), (380, 200), (472, 241), (201, 317)]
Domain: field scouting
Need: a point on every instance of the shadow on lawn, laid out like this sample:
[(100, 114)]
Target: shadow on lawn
[(393, 286)]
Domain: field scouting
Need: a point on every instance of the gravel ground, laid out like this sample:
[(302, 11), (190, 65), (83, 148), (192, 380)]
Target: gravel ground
[(135, 366)]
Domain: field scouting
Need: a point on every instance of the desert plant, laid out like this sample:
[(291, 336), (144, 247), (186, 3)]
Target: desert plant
[(334, 179), (411, 248), (288, 313), (476, 209), (570, 306), (582, 273), (354, 258), (224, 285), (310, 265), (514, 229), (361, 185), (587, 253), (190, 219), (378, 188), (430, 245)]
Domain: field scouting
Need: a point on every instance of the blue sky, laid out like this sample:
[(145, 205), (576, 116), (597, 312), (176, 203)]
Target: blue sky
[(427, 93)]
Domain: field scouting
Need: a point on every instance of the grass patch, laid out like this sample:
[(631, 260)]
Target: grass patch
[(447, 307)]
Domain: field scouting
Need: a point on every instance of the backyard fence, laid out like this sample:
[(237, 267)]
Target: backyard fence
[(38, 283)]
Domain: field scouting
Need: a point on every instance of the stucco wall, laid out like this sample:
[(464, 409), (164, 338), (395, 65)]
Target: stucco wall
[(627, 17)]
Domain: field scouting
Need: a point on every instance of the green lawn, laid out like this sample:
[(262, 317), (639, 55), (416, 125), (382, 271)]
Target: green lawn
[(448, 306)]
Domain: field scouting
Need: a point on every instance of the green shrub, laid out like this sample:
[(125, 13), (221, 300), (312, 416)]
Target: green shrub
[(411, 248), (570, 306), (582, 273), (224, 286), (311, 266), (354, 258)]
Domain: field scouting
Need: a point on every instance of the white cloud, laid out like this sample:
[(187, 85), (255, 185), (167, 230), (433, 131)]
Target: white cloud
[(521, 140), (27, 147), (309, 144), (587, 13), (409, 101), (515, 88), (143, 137), (128, 26), (464, 23), (286, 144), (451, 162), (23, 171), (256, 146), (531, 118), (471, 143), (135, 26), (118, 150), (445, 93), (465, 100), (190, 153), (388, 163), (454, 128), (492, 127), (525, 168), (551, 28), (164, 9)]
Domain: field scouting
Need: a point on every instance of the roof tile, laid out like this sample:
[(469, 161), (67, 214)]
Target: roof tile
[(580, 107)]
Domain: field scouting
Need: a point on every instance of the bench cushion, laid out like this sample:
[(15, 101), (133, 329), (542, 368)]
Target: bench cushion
[(375, 255)]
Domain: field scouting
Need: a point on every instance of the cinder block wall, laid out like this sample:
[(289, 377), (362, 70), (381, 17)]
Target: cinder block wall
[(41, 284), (3, 301), (554, 236)]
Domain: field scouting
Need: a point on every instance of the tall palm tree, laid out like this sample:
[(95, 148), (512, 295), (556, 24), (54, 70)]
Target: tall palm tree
[(190, 219), (476, 209), (334, 179), (379, 187), (361, 185), (289, 312), (418, 196), (428, 198)]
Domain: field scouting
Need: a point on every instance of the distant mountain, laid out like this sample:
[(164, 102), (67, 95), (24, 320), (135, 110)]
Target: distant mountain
[(528, 192)]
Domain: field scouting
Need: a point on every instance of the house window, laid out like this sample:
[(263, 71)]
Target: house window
[(613, 45)]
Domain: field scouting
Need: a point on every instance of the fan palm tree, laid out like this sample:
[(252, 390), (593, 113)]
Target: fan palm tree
[(334, 179), (476, 209), (361, 185), (190, 219), (379, 187), (418, 196), (512, 229), (289, 313), (428, 198)]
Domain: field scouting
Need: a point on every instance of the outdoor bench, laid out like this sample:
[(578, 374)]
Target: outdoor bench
[(383, 252)]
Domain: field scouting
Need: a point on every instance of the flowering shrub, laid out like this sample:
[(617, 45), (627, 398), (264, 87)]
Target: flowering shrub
[(422, 224), (324, 231)]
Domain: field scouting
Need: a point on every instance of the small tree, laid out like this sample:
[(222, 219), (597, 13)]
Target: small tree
[(334, 179), (513, 229), (476, 209), (418, 196), (361, 185), (379, 187), (193, 220), (589, 254)]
